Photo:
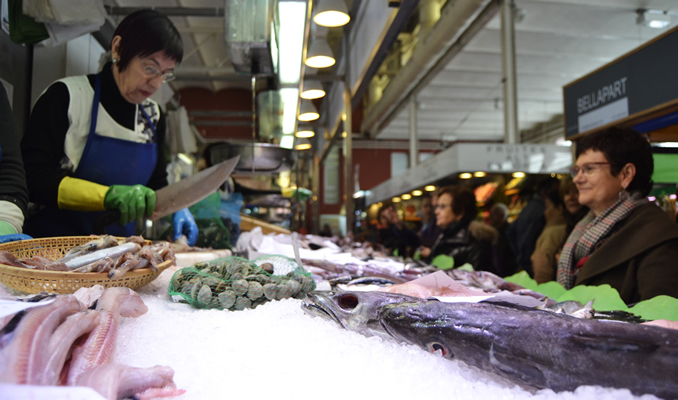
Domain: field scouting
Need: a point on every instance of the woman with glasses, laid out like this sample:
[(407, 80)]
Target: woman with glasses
[(463, 238), (625, 240), (95, 142)]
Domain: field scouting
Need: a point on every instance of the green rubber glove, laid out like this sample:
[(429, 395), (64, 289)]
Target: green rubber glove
[(133, 201), (6, 228)]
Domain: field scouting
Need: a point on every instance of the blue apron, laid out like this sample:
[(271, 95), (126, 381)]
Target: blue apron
[(106, 161)]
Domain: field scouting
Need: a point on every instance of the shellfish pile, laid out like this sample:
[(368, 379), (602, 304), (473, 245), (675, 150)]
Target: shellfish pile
[(235, 283)]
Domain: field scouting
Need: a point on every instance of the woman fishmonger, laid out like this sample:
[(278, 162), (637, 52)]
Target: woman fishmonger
[(95, 142), (625, 240)]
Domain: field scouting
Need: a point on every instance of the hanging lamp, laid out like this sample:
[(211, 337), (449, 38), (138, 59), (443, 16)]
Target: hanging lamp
[(312, 90), (307, 111), (331, 13), (305, 132), (319, 54), (302, 144)]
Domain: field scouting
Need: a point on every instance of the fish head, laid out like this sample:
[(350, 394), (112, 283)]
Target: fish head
[(356, 311), (434, 326)]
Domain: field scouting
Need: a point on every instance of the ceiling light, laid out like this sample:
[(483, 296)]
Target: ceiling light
[(465, 175), (291, 39), (302, 144), (430, 188), (518, 174), (396, 199), (305, 132), (287, 141), (406, 196), (307, 111), (312, 90), (479, 174), (417, 193), (319, 54), (653, 18), (331, 13)]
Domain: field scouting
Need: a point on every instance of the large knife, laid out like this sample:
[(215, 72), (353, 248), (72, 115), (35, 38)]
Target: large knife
[(180, 195)]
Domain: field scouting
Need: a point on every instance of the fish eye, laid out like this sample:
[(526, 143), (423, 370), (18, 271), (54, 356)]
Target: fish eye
[(348, 301), (439, 348)]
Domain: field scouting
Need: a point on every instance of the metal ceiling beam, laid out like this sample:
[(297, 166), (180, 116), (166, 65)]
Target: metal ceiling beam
[(460, 21)]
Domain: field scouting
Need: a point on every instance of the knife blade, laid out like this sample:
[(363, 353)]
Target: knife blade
[(191, 190), (180, 195)]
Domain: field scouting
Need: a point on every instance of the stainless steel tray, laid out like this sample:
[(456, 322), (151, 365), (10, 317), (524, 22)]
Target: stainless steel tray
[(255, 158)]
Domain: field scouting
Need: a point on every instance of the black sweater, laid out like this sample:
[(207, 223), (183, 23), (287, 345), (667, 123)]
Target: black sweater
[(43, 143), (12, 177)]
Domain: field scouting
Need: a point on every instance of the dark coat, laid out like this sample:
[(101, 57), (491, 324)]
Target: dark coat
[(640, 260), (467, 243), (398, 238)]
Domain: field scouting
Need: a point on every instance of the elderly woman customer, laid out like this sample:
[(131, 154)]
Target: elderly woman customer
[(625, 240), (463, 238)]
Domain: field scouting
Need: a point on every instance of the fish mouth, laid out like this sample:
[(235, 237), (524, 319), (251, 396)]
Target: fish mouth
[(315, 305)]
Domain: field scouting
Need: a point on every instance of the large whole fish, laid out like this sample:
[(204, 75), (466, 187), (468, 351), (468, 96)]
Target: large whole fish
[(354, 310), (532, 347)]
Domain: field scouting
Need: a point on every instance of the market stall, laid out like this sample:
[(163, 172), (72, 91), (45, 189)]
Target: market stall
[(216, 353)]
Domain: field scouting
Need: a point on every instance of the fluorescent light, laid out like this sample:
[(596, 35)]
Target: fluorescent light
[(290, 98), (319, 54), (292, 25), (331, 13), (287, 141)]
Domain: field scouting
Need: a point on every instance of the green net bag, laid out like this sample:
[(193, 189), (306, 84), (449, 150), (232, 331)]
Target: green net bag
[(235, 283)]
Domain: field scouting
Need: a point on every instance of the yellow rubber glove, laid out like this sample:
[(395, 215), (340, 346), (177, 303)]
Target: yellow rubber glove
[(133, 201), (81, 195)]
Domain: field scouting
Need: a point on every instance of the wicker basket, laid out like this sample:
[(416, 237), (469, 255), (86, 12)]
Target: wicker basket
[(36, 281)]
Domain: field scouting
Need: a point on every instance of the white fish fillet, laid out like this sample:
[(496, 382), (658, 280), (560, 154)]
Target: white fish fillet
[(61, 341), (98, 349), (117, 381), (25, 356)]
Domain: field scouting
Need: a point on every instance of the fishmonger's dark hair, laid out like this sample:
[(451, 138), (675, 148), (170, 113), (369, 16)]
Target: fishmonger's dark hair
[(145, 32), (620, 147), (463, 201)]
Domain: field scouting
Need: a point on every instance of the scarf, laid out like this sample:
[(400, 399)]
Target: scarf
[(591, 232)]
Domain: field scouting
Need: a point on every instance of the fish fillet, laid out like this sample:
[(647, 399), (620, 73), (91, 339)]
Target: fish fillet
[(61, 341), (117, 381), (99, 347), (25, 356)]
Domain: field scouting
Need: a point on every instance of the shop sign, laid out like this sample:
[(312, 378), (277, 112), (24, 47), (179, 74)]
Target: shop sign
[(626, 88)]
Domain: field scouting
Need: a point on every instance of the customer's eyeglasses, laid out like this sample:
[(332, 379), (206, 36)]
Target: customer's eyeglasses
[(442, 206), (152, 71), (587, 168)]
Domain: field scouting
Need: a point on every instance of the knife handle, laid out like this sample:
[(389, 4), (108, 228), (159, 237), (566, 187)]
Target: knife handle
[(105, 220)]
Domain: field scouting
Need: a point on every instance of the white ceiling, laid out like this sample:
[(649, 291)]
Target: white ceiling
[(557, 42)]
